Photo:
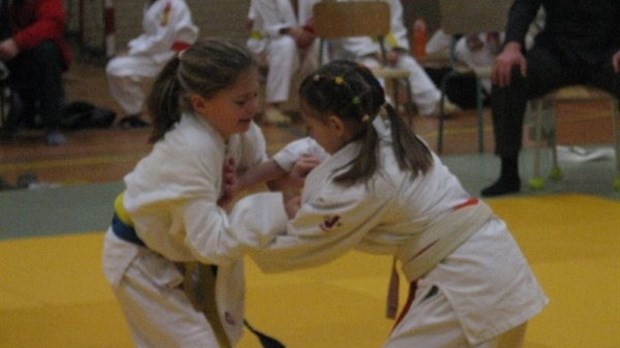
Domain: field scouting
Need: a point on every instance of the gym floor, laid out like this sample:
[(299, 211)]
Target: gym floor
[(53, 294)]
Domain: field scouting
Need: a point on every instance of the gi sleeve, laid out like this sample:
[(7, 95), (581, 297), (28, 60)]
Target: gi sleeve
[(215, 239), (397, 38), (323, 229), (173, 19), (287, 157)]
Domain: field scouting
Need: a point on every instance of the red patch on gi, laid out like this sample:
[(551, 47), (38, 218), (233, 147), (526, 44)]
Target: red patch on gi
[(329, 222)]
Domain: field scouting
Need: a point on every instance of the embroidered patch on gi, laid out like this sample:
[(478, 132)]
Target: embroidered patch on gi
[(329, 222), (229, 318)]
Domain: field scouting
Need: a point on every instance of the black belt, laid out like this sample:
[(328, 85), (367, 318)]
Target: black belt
[(125, 232)]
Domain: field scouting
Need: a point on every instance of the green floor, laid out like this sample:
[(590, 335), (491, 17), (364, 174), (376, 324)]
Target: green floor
[(85, 208)]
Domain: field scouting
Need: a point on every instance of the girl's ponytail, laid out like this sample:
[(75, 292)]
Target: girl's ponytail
[(163, 102), (410, 152)]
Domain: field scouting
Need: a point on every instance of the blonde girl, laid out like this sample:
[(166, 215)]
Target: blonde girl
[(168, 219)]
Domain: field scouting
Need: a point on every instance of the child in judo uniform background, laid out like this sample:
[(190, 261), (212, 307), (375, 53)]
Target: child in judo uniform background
[(426, 96), (283, 36), (202, 105), (167, 29), (381, 190)]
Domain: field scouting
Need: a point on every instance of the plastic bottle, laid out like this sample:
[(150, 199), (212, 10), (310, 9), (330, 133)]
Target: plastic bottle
[(419, 38)]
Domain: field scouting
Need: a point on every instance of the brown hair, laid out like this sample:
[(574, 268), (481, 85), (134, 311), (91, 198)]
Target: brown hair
[(205, 68), (350, 91)]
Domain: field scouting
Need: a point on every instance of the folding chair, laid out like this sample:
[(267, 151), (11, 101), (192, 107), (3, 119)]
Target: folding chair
[(342, 19), (545, 107), (460, 18)]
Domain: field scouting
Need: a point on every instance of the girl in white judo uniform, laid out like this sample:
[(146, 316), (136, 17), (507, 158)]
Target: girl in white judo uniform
[(202, 105), (426, 95), (167, 29), (381, 190)]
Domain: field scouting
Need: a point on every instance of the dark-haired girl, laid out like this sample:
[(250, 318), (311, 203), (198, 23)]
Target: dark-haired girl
[(381, 190)]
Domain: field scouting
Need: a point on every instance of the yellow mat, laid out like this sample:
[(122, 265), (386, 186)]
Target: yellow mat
[(52, 292)]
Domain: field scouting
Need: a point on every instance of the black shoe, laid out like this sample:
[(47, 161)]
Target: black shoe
[(8, 134), (132, 121), (26, 180), (5, 185), (502, 187), (55, 138)]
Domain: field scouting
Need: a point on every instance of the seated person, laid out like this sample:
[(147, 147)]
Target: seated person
[(580, 44), (168, 29), (478, 51), (426, 96), (34, 50), (282, 37)]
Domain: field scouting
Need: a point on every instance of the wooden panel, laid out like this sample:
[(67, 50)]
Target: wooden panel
[(351, 18), (472, 16)]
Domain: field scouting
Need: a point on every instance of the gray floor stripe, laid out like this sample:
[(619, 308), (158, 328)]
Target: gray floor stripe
[(87, 208)]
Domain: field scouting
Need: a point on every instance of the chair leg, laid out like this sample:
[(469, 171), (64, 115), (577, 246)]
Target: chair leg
[(444, 83), (480, 116), (3, 108), (5, 105), (616, 129), (397, 102), (409, 105), (555, 173), (395, 93), (537, 182)]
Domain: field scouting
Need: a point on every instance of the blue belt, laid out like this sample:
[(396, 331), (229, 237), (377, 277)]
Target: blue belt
[(125, 232)]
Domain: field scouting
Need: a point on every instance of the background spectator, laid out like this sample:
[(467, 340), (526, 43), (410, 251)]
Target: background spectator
[(168, 29), (34, 50)]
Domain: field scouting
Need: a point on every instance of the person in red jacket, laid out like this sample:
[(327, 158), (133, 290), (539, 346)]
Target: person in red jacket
[(33, 48)]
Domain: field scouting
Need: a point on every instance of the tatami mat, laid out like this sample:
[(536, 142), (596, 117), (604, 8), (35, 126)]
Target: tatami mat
[(52, 292)]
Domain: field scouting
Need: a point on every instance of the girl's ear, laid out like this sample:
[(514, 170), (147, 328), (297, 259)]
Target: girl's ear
[(335, 123), (199, 104)]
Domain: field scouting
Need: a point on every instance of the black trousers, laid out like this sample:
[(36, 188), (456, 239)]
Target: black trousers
[(546, 71), (36, 77)]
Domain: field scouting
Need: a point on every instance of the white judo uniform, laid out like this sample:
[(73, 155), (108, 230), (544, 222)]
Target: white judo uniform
[(279, 51), (171, 198), (167, 29), (425, 93), (462, 258)]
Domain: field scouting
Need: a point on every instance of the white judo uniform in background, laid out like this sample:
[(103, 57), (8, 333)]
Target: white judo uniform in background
[(426, 95), (171, 198), (462, 256), (167, 29), (278, 50)]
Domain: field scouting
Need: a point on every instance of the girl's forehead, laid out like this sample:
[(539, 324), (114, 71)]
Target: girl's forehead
[(245, 76), (247, 80)]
